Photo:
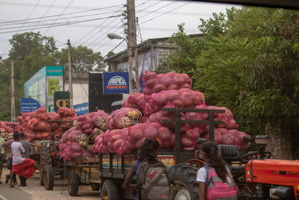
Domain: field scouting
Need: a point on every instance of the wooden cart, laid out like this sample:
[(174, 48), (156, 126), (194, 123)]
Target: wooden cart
[(82, 172)]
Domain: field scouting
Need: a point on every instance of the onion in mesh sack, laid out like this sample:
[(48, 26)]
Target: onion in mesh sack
[(179, 80), (151, 83), (158, 88), (149, 75)]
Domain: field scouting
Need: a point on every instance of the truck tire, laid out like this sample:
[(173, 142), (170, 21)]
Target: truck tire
[(73, 184), (45, 156), (41, 177), (109, 190), (45, 159), (183, 177), (48, 177)]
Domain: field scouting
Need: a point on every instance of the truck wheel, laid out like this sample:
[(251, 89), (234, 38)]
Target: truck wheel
[(41, 177), (45, 156), (185, 187), (73, 184), (48, 178), (109, 190), (95, 187)]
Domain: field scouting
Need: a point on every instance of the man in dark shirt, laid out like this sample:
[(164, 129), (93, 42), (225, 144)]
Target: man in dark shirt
[(27, 147)]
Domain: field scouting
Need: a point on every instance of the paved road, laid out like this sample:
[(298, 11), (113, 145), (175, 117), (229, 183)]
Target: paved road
[(34, 191), (16, 193)]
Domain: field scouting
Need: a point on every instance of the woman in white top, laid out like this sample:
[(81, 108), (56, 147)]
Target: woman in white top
[(22, 166), (209, 153)]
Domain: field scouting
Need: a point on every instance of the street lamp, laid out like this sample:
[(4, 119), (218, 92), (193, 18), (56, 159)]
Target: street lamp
[(114, 36), (130, 60)]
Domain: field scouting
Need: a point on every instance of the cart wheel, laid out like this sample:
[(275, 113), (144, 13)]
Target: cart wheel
[(48, 177), (109, 190), (95, 187), (73, 184)]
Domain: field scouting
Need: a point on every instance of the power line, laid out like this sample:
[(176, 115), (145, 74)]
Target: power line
[(52, 16), (93, 30), (42, 26), (25, 21), (164, 13), (59, 16), (45, 13)]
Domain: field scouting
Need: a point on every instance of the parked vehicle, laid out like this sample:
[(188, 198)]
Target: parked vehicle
[(181, 164)]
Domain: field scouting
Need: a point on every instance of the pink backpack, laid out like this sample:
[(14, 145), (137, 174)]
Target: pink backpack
[(217, 189)]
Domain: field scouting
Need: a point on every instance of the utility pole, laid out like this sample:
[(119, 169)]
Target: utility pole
[(132, 41), (13, 104), (70, 73)]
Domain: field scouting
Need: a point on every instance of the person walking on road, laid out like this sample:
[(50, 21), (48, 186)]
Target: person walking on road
[(2, 156), (27, 146), (7, 147), (215, 170), (20, 166), (147, 157)]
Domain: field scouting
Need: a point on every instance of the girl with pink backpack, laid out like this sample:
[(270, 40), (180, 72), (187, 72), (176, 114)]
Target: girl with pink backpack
[(215, 180)]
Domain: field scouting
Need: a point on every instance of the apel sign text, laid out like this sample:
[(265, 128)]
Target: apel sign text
[(116, 82)]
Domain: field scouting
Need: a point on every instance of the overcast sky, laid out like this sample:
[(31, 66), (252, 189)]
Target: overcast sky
[(87, 22)]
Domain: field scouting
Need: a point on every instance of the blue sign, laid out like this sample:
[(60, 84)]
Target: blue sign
[(29, 105), (81, 108), (116, 83)]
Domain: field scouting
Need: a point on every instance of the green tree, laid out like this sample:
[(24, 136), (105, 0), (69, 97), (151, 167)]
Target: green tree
[(83, 59), (30, 52), (248, 62), (187, 49), (5, 90)]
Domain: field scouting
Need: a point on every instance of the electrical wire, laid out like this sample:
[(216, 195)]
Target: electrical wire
[(21, 27), (42, 26), (49, 18), (45, 13), (165, 13), (59, 16), (94, 30)]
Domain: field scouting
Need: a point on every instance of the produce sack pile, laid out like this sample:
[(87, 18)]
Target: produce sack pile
[(7, 127), (122, 118), (126, 140), (36, 126), (171, 90), (155, 83), (182, 98), (75, 142), (73, 145)]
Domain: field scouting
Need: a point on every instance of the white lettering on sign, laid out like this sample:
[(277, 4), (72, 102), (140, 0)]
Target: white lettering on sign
[(117, 80)]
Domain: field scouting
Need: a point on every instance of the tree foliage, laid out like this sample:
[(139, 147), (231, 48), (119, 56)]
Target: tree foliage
[(30, 52), (83, 59), (248, 62)]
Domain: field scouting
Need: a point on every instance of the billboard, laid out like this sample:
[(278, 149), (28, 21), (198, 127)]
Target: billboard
[(116, 83), (43, 84), (97, 100), (29, 105)]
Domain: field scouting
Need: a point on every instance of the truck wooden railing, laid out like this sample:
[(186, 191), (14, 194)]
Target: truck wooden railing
[(177, 123)]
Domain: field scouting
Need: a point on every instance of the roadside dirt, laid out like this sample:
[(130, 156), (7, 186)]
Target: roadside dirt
[(59, 192)]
